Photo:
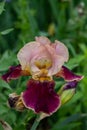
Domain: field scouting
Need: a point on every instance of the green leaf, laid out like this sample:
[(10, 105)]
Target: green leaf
[(3, 109), (7, 31), (74, 62), (4, 84), (62, 124), (2, 4), (6, 61)]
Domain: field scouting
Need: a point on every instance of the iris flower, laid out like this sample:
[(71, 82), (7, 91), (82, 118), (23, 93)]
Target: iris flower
[(42, 60)]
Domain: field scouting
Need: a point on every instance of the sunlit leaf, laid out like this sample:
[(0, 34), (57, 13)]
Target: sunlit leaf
[(7, 31)]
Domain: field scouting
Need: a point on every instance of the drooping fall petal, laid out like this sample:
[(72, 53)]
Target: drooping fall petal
[(68, 75), (13, 73), (41, 97)]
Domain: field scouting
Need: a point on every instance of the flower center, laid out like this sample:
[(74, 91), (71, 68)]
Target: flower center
[(41, 75), (43, 63)]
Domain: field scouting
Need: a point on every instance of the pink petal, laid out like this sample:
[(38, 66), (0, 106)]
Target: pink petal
[(25, 54), (57, 61), (30, 53), (61, 50), (41, 49), (43, 40)]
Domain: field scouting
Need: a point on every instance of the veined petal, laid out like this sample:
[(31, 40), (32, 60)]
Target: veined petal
[(68, 75), (14, 73), (41, 97)]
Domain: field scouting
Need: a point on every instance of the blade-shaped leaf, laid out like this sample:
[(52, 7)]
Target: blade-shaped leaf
[(7, 31), (2, 4), (68, 120), (4, 84)]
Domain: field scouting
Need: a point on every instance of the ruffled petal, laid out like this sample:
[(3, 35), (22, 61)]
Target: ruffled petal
[(27, 53), (57, 61), (68, 75), (14, 73), (30, 53), (61, 50), (43, 40), (41, 97), (41, 53)]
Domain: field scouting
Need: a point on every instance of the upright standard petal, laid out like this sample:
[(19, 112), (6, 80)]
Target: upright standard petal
[(40, 54), (14, 73), (61, 50), (57, 61), (41, 97), (25, 54), (30, 54), (68, 75), (43, 40)]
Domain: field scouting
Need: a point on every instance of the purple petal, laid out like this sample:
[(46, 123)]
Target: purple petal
[(70, 85), (41, 97), (14, 73), (68, 75)]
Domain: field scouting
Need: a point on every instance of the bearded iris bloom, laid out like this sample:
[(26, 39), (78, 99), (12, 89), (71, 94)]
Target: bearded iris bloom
[(42, 60)]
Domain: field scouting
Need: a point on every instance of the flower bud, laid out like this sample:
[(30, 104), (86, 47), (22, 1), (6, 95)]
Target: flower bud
[(15, 101), (67, 91)]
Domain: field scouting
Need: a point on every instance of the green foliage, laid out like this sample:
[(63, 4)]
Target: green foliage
[(2, 4), (6, 31), (20, 22)]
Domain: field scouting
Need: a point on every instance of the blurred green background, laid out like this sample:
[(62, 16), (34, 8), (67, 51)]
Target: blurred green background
[(65, 20)]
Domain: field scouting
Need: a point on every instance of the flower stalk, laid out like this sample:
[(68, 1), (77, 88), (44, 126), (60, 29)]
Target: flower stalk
[(35, 124)]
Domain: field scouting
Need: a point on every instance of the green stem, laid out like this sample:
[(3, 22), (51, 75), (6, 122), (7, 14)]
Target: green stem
[(35, 124)]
